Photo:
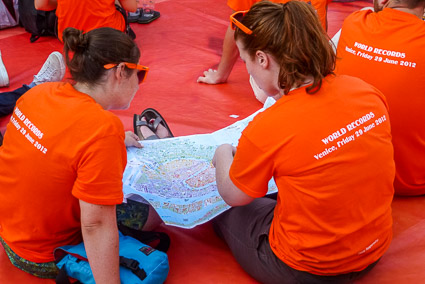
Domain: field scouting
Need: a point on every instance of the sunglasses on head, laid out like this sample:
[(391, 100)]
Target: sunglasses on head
[(235, 21), (142, 71)]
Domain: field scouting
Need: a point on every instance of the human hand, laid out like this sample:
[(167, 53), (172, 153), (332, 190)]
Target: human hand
[(131, 140), (224, 151), (212, 77)]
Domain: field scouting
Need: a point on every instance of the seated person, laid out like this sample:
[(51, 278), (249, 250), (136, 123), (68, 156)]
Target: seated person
[(385, 49), (4, 77), (89, 14), (63, 158), (52, 70), (331, 219), (230, 51)]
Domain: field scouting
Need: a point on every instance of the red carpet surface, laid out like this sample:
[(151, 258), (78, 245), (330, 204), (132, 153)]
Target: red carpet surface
[(186, 40)]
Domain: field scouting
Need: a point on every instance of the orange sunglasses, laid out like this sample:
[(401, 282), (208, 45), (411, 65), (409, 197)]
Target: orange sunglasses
[(141, 73), (235, 21)]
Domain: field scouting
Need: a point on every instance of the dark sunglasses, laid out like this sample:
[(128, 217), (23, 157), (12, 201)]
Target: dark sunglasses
[(235, 21), (142, 71)]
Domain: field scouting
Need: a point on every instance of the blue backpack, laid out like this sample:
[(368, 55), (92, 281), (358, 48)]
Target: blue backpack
[(139, 263)]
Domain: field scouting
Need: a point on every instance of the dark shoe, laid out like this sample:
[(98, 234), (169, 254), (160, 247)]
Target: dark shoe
[(153, 119), (133, 17), (146, 20)]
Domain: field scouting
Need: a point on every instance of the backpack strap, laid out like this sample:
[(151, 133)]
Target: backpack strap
[(133, 265), (148, 237), (62, 277), (128, 29)]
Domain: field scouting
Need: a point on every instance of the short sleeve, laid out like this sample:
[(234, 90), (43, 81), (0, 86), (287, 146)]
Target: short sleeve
[(100, 171), (251, 169)]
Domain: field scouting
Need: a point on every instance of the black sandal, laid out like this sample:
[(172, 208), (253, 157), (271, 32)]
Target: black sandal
[(153, 119)]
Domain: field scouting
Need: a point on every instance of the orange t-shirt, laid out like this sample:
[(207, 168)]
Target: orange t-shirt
[(321, 7), (60, 146), (331, 157), (87, 15), (386, 49)]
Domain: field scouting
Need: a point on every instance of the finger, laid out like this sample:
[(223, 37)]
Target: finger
[(134, 136), (138, 145)]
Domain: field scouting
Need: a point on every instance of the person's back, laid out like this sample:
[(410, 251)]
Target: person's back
[(55, 161), (88, 14), (63, 157), (317, 143), (386, 50)]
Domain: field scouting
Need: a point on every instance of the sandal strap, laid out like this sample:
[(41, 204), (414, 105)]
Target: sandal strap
[(153, 120), (156, 123)]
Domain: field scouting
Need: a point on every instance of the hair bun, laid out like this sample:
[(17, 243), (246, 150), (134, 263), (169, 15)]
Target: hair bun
[(76, 40)]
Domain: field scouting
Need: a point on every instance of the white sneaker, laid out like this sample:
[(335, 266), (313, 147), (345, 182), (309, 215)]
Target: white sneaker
[(53, 69), (4, 78)]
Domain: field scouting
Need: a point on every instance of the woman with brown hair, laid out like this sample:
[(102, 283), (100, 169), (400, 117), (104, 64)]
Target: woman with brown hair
[(63, 157), (327, 144)]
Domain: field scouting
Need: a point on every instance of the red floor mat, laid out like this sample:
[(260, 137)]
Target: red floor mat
[(178, 47)]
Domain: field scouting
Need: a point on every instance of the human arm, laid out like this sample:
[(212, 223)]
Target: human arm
[(45, 5), (131, 140), (100, 235), (228, 59), (230, 193), (128, 5)]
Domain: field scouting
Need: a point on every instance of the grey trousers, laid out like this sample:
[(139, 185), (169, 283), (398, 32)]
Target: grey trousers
[(245, 229)]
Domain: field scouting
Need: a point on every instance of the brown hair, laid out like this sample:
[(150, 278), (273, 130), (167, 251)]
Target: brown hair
[(94, 49), (292, 34)]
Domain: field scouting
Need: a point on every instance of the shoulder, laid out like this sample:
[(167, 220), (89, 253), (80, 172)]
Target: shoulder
[(358, 92), (104, 123), (358, 17), (340, 82)]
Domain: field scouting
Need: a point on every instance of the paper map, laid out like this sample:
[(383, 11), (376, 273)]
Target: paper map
[(177, 178)]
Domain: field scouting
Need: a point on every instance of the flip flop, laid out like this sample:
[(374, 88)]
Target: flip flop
[(153, 119)]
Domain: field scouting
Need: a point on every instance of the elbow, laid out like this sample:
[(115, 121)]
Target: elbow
[(40, 5), (236, 197), (231, 201), (45, 5), (90, 227)]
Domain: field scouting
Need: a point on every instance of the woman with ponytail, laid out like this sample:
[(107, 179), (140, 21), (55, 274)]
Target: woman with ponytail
[(326, 142)]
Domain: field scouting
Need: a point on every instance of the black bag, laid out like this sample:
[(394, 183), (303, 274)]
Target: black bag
[(37, 23)]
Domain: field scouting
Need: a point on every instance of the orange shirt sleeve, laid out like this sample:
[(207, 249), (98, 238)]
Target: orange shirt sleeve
[(101, 173), (251, 169)]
